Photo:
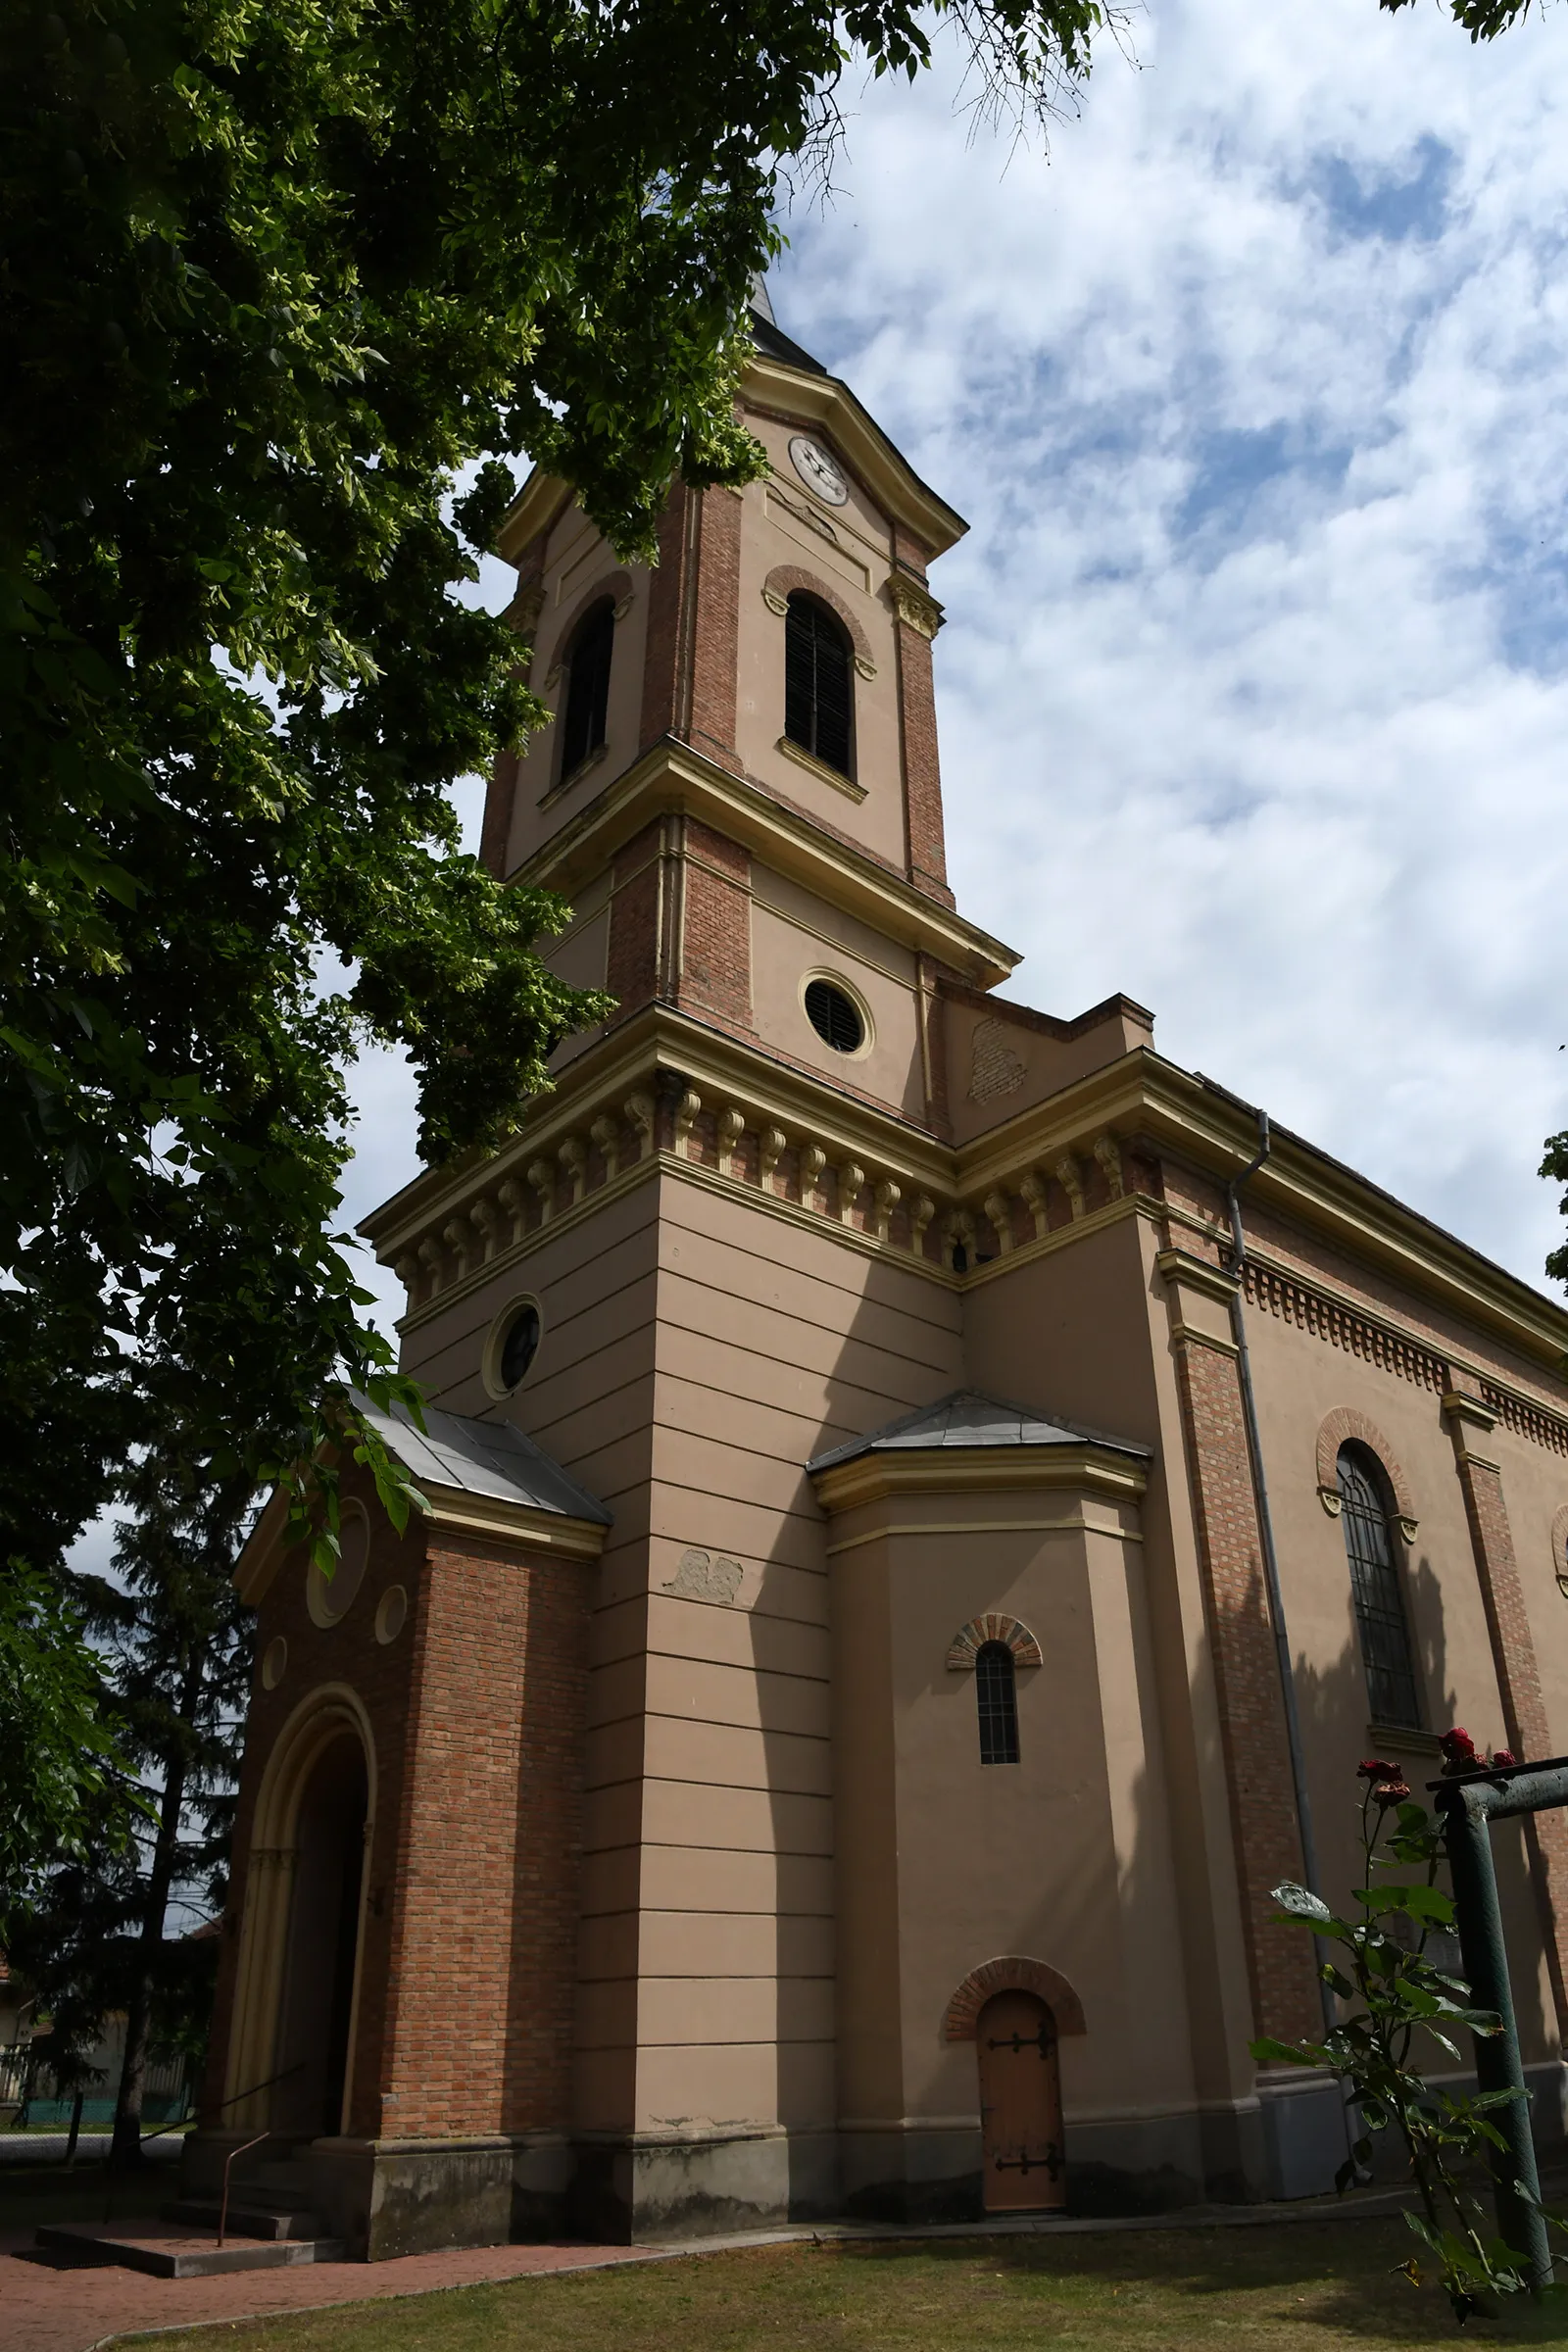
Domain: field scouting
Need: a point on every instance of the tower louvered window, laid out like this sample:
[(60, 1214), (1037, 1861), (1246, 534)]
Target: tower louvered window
[(587, 686), (996, 1692), (818, 668), (1375, 1587)]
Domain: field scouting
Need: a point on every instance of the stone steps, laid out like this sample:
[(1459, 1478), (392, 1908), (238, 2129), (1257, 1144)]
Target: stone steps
[(169, 2250), (249, 2215)]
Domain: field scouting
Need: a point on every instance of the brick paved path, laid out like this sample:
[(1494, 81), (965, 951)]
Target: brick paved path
[(44, 2309)]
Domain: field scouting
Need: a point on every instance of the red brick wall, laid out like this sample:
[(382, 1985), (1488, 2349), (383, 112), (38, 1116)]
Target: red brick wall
[(1246, 1679), (485, 1901), (633, 965), (666, 622), (922, 773), (716, 948), (467, 1965), (380, 1676), (715, 643)]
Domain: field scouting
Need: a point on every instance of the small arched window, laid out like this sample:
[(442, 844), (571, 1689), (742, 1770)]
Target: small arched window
[(996, 1691), (818, 668), (1365, 1515), (587, 686)]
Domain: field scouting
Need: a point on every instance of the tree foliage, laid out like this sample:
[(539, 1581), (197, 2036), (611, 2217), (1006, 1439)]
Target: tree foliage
[(65, 1779), (1396, 1992), (173, 1649)]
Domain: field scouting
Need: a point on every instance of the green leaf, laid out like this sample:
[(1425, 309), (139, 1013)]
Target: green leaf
[(1300, 1902)]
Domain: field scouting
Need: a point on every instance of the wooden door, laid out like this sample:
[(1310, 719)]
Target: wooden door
[(1020, 2105)]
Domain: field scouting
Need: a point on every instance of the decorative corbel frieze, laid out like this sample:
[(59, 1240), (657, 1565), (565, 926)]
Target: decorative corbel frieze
[(1000, 1211), (522, 613), (573, 1158), (1107, 1150), (639, 1110), (458, 1235), (510, 1196), (483, 1217), (923, 1209), (959, 1233), (813, 1160), (407, 1270), (430, 1260), (914, 604), (1070, 1176), (731, 1126), (1032, 1191), (771, 1145), (605, 1133), (852, 1184), (686, 1113), (887, 1197), (542, 1176)]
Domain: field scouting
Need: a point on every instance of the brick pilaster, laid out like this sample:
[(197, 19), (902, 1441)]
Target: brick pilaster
[(1513, 1651), (1252, 1711)]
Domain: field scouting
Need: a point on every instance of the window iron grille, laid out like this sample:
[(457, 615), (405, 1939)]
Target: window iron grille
[(1378, 1601)]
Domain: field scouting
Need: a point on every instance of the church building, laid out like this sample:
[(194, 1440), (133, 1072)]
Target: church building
[(930, 1502)]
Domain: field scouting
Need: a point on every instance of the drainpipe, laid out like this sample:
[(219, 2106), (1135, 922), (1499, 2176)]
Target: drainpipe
[(1266, 1529)]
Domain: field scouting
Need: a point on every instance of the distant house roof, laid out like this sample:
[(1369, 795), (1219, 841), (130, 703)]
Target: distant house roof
[(969, 1418), (483, 1457)]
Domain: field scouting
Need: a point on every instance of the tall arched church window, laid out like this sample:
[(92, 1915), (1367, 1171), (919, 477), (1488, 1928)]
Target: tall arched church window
[(996, 1691), (819, 670), (1366, 1516), (587, 696)]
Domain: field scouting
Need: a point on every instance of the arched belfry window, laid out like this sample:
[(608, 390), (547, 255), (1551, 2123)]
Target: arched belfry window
[(587, 685), (819, 693), (996, 1691), (1367, 1517)]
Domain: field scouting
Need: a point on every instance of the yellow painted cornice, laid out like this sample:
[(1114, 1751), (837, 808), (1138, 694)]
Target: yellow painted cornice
[(453, 1510), (1085, 1469), (541, 499), (823, 401), (670, 776), (1143, 1095)]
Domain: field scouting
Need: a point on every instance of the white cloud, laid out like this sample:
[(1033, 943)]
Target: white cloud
[(1255, 681), (1257, 671)]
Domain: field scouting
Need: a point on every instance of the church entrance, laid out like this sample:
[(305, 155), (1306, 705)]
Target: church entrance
[(1020, 2105), (324, 1933)]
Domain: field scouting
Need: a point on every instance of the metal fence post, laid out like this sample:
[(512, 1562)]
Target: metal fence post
[(1499, 2066)]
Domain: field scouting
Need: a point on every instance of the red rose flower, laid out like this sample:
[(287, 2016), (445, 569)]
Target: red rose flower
[(1391, 1792), (1458, 1750), (1503, 1755), (1373, 1768)]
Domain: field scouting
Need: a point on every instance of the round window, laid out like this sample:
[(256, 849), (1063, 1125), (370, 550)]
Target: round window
[(519, 1347), (328, 1597), (835, 1017)]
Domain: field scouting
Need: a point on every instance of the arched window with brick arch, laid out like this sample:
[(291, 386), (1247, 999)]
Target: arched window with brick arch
[(996, 1691), (586, 702), (1367, 1518), (818, 682)]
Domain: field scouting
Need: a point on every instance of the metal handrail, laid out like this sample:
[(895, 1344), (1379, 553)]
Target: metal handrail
[(243, 2149)]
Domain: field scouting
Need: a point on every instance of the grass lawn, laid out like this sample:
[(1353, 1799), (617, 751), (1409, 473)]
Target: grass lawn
[(1288, 2288)]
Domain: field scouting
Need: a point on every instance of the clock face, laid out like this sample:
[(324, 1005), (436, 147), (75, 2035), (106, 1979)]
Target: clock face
[(817, 471)]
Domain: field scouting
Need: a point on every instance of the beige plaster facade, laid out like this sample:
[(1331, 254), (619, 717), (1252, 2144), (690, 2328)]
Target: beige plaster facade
[(792, 1882)]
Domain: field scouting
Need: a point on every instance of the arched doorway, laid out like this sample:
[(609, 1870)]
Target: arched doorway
[(316, 2007), (1020, 2105)]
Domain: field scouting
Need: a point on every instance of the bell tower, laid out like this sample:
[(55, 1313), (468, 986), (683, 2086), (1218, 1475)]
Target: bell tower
[(740, 790)]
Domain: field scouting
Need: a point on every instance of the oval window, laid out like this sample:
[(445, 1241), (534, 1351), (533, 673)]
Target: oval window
[(835, 1017), (519, 1347), (328, 1597)]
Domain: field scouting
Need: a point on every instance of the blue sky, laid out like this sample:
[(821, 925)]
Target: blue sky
[(1254, 687)]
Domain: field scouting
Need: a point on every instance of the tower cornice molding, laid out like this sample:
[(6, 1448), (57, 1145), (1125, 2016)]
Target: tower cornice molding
[(669, 777)]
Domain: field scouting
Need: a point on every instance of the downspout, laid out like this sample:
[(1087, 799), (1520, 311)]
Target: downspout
[(1266, 1529)]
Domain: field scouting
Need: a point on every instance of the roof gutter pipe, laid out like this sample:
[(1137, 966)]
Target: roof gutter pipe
[(1266, 1529)]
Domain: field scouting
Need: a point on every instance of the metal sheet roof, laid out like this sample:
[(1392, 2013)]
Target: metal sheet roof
[(970, 1418), (483, 1457)]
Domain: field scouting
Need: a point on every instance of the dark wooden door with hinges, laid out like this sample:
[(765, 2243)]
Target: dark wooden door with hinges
[(1020, 2106)]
